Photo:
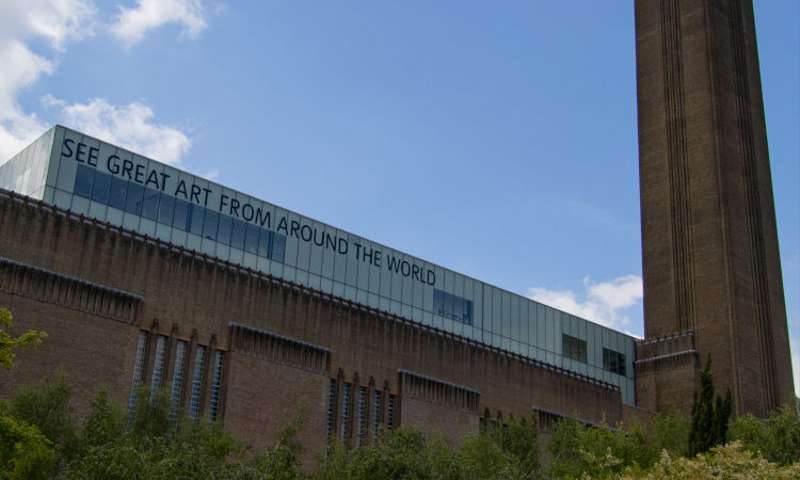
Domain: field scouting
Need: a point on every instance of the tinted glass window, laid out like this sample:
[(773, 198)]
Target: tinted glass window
[(573, 348), (263, 244), (614, 361), (84, 179), (181, 218), (210, 225), (452, 306), (116, 197), (196, 219), (237, 236), (133, 202), (166, 208), (278, 252), (251, 240), (102, 183), (224, 230), (150, 204)]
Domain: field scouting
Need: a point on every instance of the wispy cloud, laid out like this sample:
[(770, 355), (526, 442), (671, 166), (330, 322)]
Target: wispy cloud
[(132, 24), (130, 126), (606, 303), (55, 22)]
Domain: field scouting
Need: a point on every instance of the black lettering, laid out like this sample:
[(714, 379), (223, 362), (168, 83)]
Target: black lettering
[(66, 145), (405, 268), (81, 153), (282, 225), (112, 165), (247, 212), (430, 278), (206, 191), (415, 272), (138, 177), (394, 263), (164, 177), (181, 189), (377, 261), (358, 250), (330, 242), (262, 217), (127, 168), (93, 153), (152, 178), (234, 207), (295, 228), (367, 256), (321, 237), (223, 201), (305, 231), (195, 194), (343, 246)]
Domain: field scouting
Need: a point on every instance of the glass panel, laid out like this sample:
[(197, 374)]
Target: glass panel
[(264, 243), (224, 231), (216, 386), (158, 366), (181, 218), (133, 202), (150, 204), (210, 225), (166, 207), (197, 381), (102, 183), (116, 197), (196, 219), (177, 380), (237, 235), (278, 247), (251, 240), (84, 178)]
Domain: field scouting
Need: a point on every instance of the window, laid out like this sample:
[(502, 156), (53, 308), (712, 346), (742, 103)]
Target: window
[(158, 366), (573, 348), (333, 392), (84, 178), (138, 370), (196, 219), (224, 231), (150, 204), (210, 225), (278, 252), (376, 411), (216, 386), (116, 197), (452, 307), (614, 361), (133, 201), (391, 412), (197, 381), (102, 184), (251, 238), (361, 421), (166, 208), (237, 234), (264, 243), (181, 218), (344, 414), (177, 380)]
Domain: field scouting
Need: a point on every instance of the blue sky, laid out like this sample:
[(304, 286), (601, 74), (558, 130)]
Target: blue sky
[(498, 139)]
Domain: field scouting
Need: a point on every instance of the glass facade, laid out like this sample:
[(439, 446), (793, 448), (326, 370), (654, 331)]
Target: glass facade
[(99, 180)]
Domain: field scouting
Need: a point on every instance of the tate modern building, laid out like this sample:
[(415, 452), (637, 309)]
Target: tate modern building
[(246, 312)]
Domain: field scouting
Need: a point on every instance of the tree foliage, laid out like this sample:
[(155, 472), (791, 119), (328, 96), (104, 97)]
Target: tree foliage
[(9, 343), (710, 417), (40, 439)]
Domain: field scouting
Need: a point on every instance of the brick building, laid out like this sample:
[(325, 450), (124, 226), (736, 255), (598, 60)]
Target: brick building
[(146, 275), (250, 314)]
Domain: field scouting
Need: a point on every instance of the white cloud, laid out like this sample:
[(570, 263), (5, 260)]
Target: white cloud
[(604, 302), (130, 126), (133, 23), (54, 21)]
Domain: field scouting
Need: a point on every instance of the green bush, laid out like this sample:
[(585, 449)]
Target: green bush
[(777, 437), (24, 452)]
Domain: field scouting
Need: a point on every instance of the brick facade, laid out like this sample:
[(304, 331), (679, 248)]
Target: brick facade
[(288, 350)]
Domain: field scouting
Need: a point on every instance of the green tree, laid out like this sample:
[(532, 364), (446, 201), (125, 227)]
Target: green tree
[(47, 407), (709, 418), (777, 437), (24, 452), (9, 343)]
